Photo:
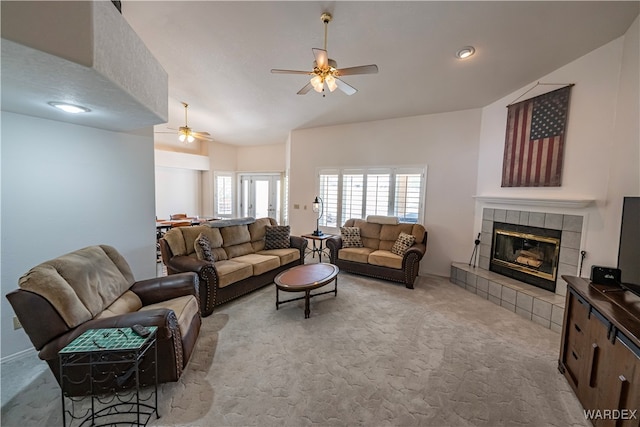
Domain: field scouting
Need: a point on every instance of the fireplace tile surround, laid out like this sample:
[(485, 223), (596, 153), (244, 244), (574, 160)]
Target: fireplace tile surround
[(531, 302), (538, 305)]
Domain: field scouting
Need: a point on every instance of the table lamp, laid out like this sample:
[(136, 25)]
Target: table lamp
[(318, 207)]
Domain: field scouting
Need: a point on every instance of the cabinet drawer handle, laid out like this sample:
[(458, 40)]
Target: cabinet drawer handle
[(593, 365), (575, 356), (575, 325)]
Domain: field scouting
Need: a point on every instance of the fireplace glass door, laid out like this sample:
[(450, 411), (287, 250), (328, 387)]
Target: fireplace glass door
[(526, 255)]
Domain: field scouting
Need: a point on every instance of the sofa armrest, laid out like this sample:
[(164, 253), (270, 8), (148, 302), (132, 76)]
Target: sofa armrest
[(157, 289), (418, 249), (163, 318), (299, 243), (207, 275), (334, 244)]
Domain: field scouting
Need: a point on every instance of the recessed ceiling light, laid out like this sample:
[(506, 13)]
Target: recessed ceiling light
[(465, 52), (69, 108)]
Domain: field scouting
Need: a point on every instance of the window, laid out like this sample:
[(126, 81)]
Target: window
[(357, 193), (223, 195)]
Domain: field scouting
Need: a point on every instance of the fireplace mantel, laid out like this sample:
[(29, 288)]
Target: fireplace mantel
[(536, 201)]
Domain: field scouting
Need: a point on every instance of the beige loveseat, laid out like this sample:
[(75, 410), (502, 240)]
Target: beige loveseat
[(241, 265), (375, 258), (94, 288)]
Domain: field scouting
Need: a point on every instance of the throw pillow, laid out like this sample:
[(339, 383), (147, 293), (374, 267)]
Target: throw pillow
[(403, 243), (277, 237), (202, 246), (351, 237)]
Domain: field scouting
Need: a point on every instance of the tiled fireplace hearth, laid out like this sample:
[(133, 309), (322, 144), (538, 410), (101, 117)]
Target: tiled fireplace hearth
[(531, 302)]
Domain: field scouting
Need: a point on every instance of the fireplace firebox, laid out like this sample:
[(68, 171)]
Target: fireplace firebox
[(528, 254)]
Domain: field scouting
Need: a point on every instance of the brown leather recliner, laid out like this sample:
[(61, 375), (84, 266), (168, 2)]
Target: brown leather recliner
[(94, 288)]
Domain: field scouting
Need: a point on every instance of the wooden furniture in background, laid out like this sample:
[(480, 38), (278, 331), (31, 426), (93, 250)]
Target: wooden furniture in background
[(600, 351)]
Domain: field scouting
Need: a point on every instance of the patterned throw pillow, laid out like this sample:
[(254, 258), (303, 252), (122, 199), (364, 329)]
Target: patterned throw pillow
[(351, 237), (202, 246), (403, 243), (277, 237)]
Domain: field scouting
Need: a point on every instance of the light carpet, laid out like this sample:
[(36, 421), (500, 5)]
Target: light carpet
[(378, 354)]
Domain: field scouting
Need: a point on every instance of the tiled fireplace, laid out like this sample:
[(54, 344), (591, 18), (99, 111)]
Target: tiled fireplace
[(535, 303)]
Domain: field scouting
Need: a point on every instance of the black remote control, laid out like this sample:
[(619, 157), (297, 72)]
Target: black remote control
[(140, 330)]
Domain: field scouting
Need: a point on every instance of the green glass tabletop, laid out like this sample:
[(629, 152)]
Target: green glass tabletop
[(107, 339)]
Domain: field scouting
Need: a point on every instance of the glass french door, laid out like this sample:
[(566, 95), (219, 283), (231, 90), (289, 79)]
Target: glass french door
[(260, 196)]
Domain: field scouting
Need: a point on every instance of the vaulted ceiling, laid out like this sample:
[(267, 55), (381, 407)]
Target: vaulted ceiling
[(218, 56)]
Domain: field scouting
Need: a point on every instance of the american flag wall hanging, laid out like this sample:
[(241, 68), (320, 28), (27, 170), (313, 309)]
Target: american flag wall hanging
[(534, 143)]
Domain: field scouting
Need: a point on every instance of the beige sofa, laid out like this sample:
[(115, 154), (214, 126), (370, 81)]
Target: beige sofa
[(242, 264), (375, 258)]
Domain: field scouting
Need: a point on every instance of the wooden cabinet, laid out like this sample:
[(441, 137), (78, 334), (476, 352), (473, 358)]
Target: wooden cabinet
[(600, 352)]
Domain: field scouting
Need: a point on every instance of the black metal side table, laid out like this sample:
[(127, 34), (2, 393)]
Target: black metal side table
[(110, 362), (319, 249)]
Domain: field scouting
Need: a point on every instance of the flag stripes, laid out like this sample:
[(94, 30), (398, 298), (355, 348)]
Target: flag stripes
[(533, 158)]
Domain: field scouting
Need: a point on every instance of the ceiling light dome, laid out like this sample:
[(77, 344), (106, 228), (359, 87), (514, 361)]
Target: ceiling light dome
[(465, 52), (69, 108)]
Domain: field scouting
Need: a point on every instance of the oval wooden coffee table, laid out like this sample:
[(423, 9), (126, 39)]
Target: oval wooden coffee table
[(305, 278)]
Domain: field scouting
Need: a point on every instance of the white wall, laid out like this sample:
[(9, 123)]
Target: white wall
[(65, 187), (262, 158), (446, 143), (177, 191), (602, 143)]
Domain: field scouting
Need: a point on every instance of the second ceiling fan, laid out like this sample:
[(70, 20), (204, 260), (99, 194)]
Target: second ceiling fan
[(185, 133), (326, 71)]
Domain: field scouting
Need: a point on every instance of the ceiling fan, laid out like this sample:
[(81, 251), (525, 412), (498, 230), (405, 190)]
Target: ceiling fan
[(185, 133), (326, 71)]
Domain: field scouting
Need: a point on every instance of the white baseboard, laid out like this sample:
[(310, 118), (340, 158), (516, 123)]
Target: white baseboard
[(18, 355)]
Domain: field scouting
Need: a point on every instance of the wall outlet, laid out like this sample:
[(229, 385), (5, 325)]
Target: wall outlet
[(16, 323), (296, 206)]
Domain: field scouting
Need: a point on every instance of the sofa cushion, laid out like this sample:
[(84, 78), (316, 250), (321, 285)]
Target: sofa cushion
[(380, 219), (355, 254), (351, 237), (261, 263), (403, 243), (286, 255), (232, 271), (202, 246), (385, 259), (127, 303), (80, 284), (235, 235), (257, 229), (185, 307), (277, 237), (369, 233), (239, 250)]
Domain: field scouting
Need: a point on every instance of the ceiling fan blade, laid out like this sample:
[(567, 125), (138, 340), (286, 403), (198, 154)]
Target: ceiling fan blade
[(345, 87), (202, 135), (305, 89), (321, 57), (275, 71), (362, 69)]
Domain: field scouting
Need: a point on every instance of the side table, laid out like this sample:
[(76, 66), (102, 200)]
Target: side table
[(111, 360), (317, 249)]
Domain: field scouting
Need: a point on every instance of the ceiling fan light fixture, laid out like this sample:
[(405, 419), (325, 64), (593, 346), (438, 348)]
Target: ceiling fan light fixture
[(185, 135), (465, 52), (331, 82), (317, 83)]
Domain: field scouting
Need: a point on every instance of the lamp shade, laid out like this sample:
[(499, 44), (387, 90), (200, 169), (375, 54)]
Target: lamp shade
[(317, 83), (331, 82)]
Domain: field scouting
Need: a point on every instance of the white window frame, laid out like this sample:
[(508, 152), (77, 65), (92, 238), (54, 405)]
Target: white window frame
[(232, 181), (393, 171)]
